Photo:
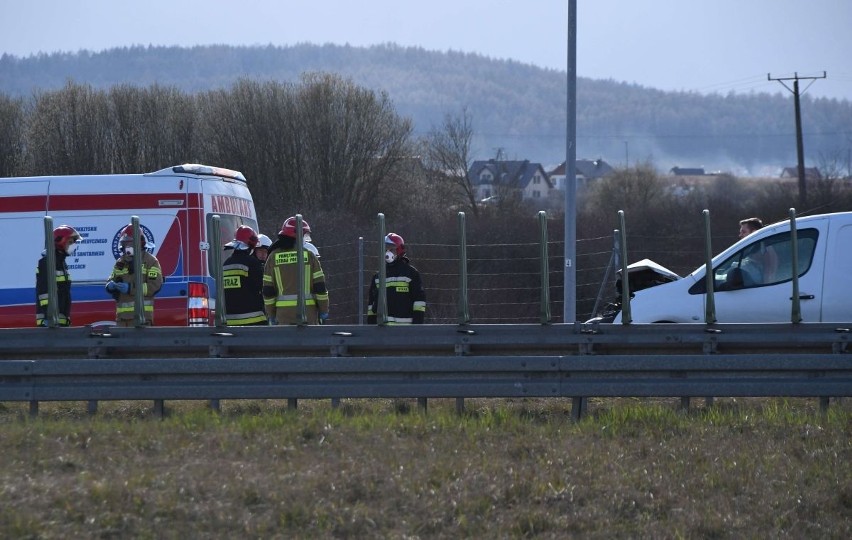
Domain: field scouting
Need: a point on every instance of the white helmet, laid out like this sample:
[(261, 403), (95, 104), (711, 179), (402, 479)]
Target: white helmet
[(263, 241), (312, 248)]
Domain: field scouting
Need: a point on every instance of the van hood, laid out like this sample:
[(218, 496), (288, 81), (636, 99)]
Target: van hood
[(642, 274), (645, 274)]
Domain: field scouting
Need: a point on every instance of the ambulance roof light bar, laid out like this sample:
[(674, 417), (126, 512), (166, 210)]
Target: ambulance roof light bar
[(195, 168)]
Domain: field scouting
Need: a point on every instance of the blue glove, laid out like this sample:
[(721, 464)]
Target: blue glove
[(323, 316), (112, 286)]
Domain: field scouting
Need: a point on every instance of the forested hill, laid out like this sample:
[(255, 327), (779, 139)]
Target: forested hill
[(517, 109)]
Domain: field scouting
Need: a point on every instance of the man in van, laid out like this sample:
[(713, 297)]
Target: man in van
[(120, 284), (65, 241), (762, 262)]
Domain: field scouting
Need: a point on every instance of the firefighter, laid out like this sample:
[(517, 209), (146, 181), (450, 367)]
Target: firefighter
[(406, 300), (261, 250), (120, 284), (242, 280), (280, 279), (65, 242)]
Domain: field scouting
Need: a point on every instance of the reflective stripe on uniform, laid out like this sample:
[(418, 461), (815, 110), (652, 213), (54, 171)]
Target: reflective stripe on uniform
[(241, 319)]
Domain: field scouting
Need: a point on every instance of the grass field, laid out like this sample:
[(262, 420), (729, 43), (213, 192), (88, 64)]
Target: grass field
[(741, 468)]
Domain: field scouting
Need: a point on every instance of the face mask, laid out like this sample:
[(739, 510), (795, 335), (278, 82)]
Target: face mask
[(71, 248), (390, 256), (128, 252)]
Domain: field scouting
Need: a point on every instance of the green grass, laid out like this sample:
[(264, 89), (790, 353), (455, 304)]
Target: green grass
[(381, 469)]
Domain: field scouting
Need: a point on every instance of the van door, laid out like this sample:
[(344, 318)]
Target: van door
[(837, 296), (755, 283)]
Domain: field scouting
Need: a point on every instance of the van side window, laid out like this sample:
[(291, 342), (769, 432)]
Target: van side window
[(762, 263)]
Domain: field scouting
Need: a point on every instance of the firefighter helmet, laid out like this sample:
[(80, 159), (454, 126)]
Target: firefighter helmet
[(64, 237), (244, 238), (127, 236), (263, 241), (289, 229), (395, 242)]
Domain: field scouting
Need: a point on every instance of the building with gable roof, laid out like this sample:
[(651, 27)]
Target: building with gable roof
[(493, 179)]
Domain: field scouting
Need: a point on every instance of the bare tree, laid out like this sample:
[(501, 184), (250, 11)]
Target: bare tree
[(11, 135), (66, 132), (350, 139), (448, 152)]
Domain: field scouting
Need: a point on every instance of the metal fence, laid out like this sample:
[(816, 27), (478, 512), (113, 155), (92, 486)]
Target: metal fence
[(429, 361)]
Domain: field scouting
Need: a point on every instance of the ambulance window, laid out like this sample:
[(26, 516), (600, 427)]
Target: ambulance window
[(228, 225)]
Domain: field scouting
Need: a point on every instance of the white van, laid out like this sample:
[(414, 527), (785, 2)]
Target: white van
[(749, 288), (174, 206)]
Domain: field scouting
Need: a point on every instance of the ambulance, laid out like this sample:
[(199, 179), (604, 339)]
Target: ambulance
[(175, 207)]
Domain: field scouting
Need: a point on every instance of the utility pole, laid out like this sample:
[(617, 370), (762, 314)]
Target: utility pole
[(569, 296), (800, 147)]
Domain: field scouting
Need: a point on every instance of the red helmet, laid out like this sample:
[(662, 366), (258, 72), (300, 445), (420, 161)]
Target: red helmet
[(393, 239), (289, 229), (127, 236), (64, 236), (246, 235)]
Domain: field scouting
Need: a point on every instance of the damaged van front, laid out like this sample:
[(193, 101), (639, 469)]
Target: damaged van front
[(752, 279)]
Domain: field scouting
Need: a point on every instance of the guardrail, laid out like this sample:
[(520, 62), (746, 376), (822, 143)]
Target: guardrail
[(426, 361)]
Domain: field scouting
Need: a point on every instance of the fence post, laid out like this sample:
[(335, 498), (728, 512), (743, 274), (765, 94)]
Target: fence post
[(545, 275), (626, 316), (138, 278), (382, 299), (463, 306), (796, 308), (613, 262), (52, 315), (217, 270), (710, 302), (360, 280), (301, 311)]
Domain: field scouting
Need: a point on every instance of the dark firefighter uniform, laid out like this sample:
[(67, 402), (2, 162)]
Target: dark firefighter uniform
[(406, 299), (242, 278), (63, 290)]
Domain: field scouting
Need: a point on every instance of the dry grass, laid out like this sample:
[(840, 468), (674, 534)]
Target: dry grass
[(505, 469)]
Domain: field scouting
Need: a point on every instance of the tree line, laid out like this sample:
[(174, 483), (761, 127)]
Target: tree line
[(518, 107)]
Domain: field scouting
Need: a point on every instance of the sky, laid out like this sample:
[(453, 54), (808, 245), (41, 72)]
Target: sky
[(703, 46)]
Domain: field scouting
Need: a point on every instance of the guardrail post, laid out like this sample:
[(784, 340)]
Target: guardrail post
[(626, 316), (463, 306), (360, 280), (545, 275), (796, 308), (301, 310), (382, 299), (138, 278), (710, 302), (52, 315), (217, 270), (160, 408)]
